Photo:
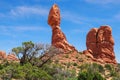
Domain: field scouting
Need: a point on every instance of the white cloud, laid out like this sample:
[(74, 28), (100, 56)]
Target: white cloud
[(84, 20), (29, 28), (27, 10), (103, 1), (11, 30), (22, 28)]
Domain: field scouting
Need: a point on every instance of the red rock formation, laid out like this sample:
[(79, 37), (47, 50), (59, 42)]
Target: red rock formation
[(100, 44), (9, 57), (58, 38), (2, 55), (12, 57)]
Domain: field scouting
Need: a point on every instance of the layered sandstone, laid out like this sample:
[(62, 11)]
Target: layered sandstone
[(58, 38), (100, 44), (9, 57), (12, 57), (2, 55)]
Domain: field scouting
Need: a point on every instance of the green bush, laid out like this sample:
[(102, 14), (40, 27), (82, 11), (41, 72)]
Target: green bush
[(74, 64), (97, 76), (66, 56), (98, 67), (25, 72), (85, 76), (108, 67), (1, 66), (89, 76), (80, 52)]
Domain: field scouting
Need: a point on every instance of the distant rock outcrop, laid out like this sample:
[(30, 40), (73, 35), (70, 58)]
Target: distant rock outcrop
[(9, 57), (12, 57), (2, 55), (100, 44), (58, 38)]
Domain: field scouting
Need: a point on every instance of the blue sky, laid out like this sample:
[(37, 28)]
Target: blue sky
[(25, 20)]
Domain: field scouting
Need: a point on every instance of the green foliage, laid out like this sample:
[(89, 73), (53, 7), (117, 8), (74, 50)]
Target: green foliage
[(98, 67), (91, 72), (81, 59), (80, 52), (108, 67), (58, 72), (49, 71), (68, 64), (66, 56), (97, 76), (74, 64), (1, 66), (25, 72), (34, 53), (90, 76), (31, 55)]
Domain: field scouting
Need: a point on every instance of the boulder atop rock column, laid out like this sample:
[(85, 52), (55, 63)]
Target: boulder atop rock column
[(58, 37)]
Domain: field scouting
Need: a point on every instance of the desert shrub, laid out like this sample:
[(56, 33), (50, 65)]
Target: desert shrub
[(74, 64), (58, 72), (108, 67), (116, 78), (113, 72), (80, 52), (101, 68), (1, 66), (84, 66), (85, 76), (91, 72), (66, 56), (68, 64), (98, 67), (81, 59), (23, 72), (89, 76), (97, 76)]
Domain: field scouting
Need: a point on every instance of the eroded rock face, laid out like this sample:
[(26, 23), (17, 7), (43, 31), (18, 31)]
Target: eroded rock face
[(9, 57), (58, 38), (100, 44), (2, 55), (12, 57)]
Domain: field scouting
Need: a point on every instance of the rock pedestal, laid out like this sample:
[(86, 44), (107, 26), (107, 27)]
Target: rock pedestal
[(58, 37)]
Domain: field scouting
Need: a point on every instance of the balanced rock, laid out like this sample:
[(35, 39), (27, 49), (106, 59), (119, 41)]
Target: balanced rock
[(100, 44), (58, 38), (2, 55)]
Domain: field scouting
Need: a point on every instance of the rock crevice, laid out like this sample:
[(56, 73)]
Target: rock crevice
[(100, 44)]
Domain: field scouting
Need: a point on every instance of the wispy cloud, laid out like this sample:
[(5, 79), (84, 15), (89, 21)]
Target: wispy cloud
[(84, 20), (22, 11), (30, 28), (11, 30), (103, 2), (28, 10)]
